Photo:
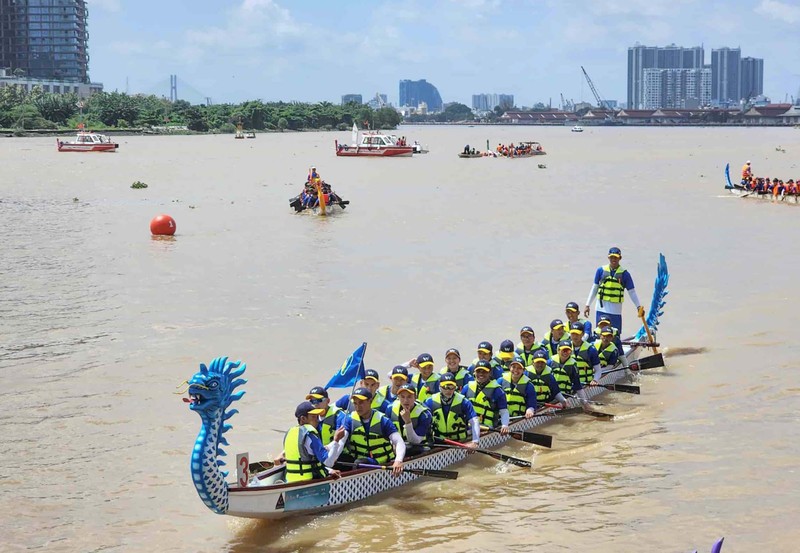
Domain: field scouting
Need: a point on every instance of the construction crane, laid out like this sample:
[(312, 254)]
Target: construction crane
[(563, 105), (602, 104)]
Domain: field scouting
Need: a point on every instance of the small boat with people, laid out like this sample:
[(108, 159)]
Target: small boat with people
[(763, 188), (523, 149), (262, 490), (87, 142), (317, 196), (374, 144), (577, 128)]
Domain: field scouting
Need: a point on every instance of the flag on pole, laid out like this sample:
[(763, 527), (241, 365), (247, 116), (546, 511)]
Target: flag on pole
[(351, 371)]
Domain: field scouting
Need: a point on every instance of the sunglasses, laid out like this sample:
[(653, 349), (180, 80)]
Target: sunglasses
[(315, 401), (448, 387)]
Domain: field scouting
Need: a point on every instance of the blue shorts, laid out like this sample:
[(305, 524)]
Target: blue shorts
[(616, 320)]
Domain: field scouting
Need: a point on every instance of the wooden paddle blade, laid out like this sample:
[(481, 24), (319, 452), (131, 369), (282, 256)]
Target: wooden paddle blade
[(598, 414), (651, 362), (449, 474), (623, 388), (543, 440)]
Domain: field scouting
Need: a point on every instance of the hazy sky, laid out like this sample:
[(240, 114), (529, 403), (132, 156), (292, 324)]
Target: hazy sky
[(312, 50)]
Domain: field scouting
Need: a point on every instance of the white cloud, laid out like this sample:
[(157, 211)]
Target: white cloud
[(779, 10)]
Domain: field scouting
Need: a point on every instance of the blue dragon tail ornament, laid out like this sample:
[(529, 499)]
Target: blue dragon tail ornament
[(211, 392), (657, 304)]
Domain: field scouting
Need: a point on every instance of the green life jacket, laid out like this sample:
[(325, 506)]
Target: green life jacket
[(540, 384), (301, 465), (486, 409), (452, 426), (562, 373), (327, 424), (515, 394), (369, 441), (611, 288)]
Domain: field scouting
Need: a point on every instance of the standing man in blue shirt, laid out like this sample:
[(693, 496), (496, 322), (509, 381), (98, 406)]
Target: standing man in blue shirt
[(610, 283)]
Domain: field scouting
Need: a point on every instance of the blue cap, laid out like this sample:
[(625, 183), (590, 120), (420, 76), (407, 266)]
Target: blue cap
[(539, 354), (555, 323), (373, 374), (517, 359), (362, 393), (564, 344), (454, 351), (576, 328), (572, 306), (407, 388), (399, 370), (607, 330), (485, 365), (507, 346), (615, 251), (485, 346), (424, 359), (307, 408), (526, 329), (603, 319)]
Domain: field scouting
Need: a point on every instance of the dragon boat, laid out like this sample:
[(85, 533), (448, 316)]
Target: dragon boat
[(743, 192), (265, 495)]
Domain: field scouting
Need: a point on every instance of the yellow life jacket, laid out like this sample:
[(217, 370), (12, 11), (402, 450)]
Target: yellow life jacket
[(561, 372), (327, 424), (485, 408), (369, 441), (605, 354), (540, 384), (515, 394), (300, 465), (454, 424), (397, 420), (425, 388), (583, 363), (611, 288)]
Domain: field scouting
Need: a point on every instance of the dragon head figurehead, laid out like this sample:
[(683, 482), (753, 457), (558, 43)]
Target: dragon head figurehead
[(211, 392)]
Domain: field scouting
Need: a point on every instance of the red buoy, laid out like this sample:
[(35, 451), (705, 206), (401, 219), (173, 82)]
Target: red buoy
[(163, 225)]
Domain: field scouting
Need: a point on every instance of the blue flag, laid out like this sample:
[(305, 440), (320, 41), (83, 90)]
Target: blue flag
[(351, 371)]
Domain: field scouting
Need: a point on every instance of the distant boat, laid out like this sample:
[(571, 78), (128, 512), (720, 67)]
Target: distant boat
[(87, 142), (250, 134), (373, 144), (577, 128)]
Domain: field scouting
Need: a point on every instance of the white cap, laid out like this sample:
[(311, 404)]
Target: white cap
[(748, 162)]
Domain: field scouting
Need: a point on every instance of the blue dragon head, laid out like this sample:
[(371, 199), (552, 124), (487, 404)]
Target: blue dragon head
[(211, 388), (211, 392)]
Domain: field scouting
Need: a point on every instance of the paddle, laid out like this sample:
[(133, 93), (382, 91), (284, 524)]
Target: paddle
[(543, 440), (650, 362), (625, 388), (494, 454), (449, 474), (647, 330), (635, 343), (260, 466), (597, 414)]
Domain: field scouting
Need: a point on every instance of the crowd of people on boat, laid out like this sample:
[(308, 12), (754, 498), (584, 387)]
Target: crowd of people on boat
[(419, 407), (315, 186), (523, 149), (765, 185)]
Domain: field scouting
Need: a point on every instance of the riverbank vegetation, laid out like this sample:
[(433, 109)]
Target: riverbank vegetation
[(35, 109)]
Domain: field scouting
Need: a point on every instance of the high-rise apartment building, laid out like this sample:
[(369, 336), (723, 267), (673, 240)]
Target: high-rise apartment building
[(725, 79), (487, 102), (351, 98), (413, 93), (752, 77), (45, 39), (676, 88), (641, 58)]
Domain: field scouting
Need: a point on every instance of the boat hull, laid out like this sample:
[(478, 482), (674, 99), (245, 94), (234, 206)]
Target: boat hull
[(284, 500), (71, 147)]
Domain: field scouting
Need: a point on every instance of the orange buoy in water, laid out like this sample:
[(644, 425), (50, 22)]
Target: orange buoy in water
[(163, 225)]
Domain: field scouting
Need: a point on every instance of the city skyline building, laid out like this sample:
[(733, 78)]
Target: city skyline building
[(348, 98), (487, 102), (676, 88), (751, 75), (45, 39), (414, 93), (725, 75), (642, 57)]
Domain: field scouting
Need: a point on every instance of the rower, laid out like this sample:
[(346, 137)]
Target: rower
[(747, 171), (528, 345), (399, 376), (610, 283), (565, 370), (606, 349), (426, 381), (520, 392), (371, 382), (573, 316), (370, 434), (453, 413), (412, 419), (452, 358), (544, 382), (606, 322), (552, 338), (488, 398), (331, 418), (586, 359), (485, 354), (305, 456), (504, 356)]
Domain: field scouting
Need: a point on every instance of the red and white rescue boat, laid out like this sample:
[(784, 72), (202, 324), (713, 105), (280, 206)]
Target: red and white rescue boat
[(87, 142), (373, 144)]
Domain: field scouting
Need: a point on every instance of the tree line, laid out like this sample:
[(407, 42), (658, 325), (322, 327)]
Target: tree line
[(36, 109)]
